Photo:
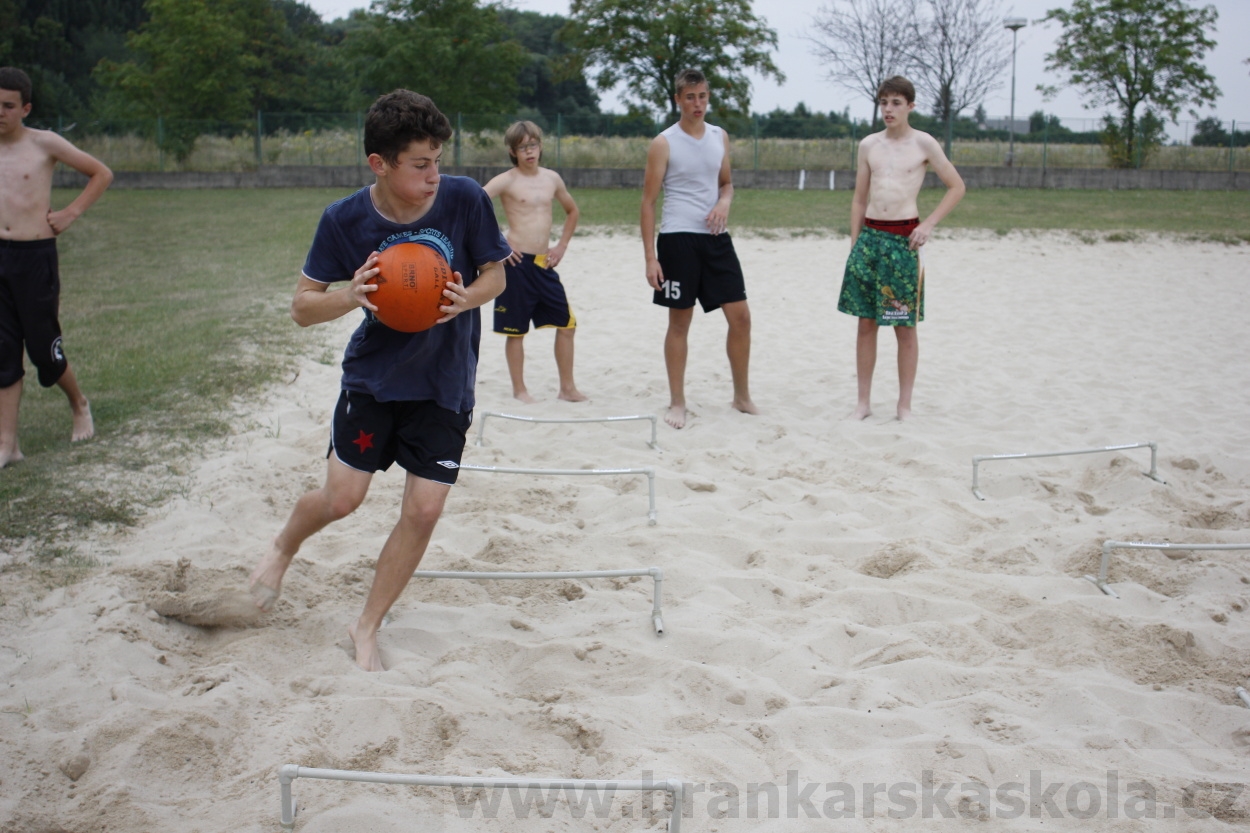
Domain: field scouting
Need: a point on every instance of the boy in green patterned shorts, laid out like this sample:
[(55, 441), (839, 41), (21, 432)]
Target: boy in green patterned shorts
[(884, 279)]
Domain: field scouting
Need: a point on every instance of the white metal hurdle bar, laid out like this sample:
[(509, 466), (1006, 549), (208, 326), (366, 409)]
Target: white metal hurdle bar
[(481, 426), (657, 617), (1108, 546), (648, 471), (1153, 474), (289, 772)]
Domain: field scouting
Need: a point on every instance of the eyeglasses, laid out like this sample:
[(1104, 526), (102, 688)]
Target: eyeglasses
[(530, 146)]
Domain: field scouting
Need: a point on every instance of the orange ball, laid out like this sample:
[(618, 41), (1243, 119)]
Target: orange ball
[(410, 282)]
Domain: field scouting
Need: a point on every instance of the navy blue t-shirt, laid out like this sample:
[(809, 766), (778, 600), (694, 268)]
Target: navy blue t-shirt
[(441, 362)]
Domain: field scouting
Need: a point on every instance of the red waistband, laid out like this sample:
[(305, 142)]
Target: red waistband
[(901, 227)]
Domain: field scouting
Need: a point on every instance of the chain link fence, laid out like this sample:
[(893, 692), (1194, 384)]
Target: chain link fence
[(613, 141)]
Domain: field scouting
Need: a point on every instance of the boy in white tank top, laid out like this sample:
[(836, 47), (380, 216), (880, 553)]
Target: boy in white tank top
[(693, 258)]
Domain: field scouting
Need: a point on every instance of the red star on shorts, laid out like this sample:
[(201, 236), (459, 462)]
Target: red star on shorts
[(364, 441)]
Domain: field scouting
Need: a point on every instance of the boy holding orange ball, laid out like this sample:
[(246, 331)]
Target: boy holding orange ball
[(406, 397)]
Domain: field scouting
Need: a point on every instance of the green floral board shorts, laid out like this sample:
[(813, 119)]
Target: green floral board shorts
[(884, 280)]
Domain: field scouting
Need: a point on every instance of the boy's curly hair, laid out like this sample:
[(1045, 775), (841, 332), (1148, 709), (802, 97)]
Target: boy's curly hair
[(400, 118)]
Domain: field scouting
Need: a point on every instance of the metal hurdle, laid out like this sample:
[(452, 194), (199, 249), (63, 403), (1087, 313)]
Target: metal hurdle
[(289, 772), (657, 617), (1153, 474), (1108, 546), (1243, 694), (481, 426), (648, 471)]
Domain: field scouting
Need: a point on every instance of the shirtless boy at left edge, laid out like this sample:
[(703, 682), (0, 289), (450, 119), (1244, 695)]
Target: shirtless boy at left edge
[(29, 282)]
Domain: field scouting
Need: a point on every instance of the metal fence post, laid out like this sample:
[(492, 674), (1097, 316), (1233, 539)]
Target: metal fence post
[(1045, 143), (259, 130), (559, 132), (755, 127), (1232, 142), (1185, 148), (360, 140), (459, 129), (160, 143)]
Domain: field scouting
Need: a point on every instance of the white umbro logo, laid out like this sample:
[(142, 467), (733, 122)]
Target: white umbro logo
[(449, 464)]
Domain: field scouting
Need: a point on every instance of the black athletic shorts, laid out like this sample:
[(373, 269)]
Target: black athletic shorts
[(698, 266), (426, 440), (30, 297)]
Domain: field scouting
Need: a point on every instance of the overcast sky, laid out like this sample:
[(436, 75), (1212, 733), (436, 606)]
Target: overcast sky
[(805, 77)]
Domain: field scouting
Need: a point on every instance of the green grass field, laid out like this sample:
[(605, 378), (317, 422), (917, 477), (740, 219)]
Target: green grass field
[(174, 305)]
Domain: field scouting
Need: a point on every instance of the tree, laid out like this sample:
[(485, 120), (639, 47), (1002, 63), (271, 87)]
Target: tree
[(959, 54), (647, 44), (862, 43), (1122, 151), (313, 72), (186, 66), (218, 60), (59, 43), (39, 47), (541, 89), (804, 124), (457, 52), (1130, 53), (1209, 133)]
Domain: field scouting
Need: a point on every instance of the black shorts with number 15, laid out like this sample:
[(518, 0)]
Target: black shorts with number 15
[(702, 267)]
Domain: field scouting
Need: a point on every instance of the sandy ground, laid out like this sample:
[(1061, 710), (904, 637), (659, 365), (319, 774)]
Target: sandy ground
[(850, 633)]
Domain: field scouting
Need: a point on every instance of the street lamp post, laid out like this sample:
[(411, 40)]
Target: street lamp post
[(1015, 24)]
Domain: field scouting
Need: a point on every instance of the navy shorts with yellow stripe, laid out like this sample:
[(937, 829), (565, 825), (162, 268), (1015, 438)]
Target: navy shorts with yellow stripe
[(534, 293), (702, 267), (425, 439)]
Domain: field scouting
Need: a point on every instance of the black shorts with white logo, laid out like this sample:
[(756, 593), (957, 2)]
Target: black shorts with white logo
[(426, 440), (702, 267), (30, 295)]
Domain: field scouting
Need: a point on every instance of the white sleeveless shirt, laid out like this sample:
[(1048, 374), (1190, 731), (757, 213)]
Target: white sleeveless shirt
[(691, 183)]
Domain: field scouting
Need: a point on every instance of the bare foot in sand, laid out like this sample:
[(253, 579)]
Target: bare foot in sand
[(573, 395), (524, 396), (265, 583), (904, 414), (84, 427), (746, 406), (14, 456), (676, 416), (861, 412), (367, 655)]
